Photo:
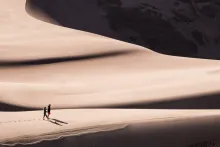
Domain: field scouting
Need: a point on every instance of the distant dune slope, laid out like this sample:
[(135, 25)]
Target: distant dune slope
[(44, 63), (175, 27)]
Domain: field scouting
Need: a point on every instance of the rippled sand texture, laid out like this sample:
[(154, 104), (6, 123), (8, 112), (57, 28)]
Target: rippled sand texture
[(134, 96)]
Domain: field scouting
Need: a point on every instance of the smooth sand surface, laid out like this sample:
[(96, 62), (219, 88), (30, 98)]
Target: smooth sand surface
[(28, 127), (42, 63)]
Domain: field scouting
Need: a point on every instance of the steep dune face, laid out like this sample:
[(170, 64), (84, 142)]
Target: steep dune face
[(175, 27), (37, 40)]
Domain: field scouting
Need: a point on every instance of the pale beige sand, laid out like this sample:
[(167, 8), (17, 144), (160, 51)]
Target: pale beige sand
[(100, 72), (27, 127), (126, 73)]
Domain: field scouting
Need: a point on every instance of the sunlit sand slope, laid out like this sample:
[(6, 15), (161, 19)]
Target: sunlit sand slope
[(42, 63)]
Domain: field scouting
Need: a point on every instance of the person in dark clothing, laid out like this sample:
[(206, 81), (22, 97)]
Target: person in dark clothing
[(48, 109), (45, 112)]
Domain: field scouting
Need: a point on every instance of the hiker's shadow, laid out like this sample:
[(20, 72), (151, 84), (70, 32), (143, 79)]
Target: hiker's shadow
[(56, 121)]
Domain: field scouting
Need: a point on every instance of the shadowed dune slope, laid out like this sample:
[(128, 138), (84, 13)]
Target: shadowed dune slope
[(117, 19), (140, 136), (44, 63), (210, 101), (182, 28)]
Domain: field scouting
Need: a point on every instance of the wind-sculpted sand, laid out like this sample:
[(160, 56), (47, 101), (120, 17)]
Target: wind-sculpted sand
[(105, 90)]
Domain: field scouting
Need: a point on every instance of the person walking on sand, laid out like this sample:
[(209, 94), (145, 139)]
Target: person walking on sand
[(48, 109), (45, 112)]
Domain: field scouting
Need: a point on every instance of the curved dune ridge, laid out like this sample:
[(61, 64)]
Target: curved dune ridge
[(98, 81)]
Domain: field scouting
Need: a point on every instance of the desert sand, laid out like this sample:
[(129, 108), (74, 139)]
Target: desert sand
[(98, 85)]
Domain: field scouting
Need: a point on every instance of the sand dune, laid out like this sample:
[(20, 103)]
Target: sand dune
[(42, 63), (71, 123)]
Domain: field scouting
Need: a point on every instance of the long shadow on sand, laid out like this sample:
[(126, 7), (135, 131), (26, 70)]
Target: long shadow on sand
[(54, 122), (211, 101), (62, 59), (9, 108)]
